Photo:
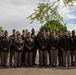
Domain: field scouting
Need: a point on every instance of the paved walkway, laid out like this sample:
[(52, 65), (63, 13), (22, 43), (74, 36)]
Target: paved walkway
[(37, 71)]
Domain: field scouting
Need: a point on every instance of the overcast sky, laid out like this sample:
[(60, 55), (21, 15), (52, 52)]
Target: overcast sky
[(13, 15)]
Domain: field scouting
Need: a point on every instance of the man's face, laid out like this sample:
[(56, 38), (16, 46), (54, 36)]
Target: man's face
[(24, 33), (60, 33), (48, 33), (43, 32), (28, 35), (27, 31), (6, 34), (53, 34), (66, 33), (33, 31), (19, 36), (14, 32), (73, 33)]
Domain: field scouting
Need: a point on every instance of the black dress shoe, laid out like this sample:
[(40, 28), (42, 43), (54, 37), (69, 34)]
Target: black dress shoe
[(26, 65), (49, 64), (4, 65), (30, 65), (19, 66), (52, 65), (15, 66), (34, 64), (10, 65), (59, 65), (41, 65), (55, 65), (46, 65), (72, 65), (64, 65)]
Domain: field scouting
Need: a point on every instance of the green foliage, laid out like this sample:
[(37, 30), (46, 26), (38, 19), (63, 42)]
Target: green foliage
[(66, 2), (45, 12), (69, 2), (54, 25), (48, 11), (48, 15), (0, 30)]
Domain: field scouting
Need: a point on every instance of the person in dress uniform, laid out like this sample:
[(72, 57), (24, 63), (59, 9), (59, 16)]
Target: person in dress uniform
[(29, 44), (48, 34), (1, 35), (43, 48), (19, 43), (66, 47), (35, 46), (60, 52), (5, 46), (23, 52), (53, 44), (12, 48), (73, 48)]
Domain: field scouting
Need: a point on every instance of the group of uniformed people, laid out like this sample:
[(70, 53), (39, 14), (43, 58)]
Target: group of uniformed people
[(61, 48)]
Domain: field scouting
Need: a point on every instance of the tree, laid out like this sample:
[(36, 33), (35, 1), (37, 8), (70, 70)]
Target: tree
[(54, 25), (45, 12), (48, 11), (0, 30), (66, 2)]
